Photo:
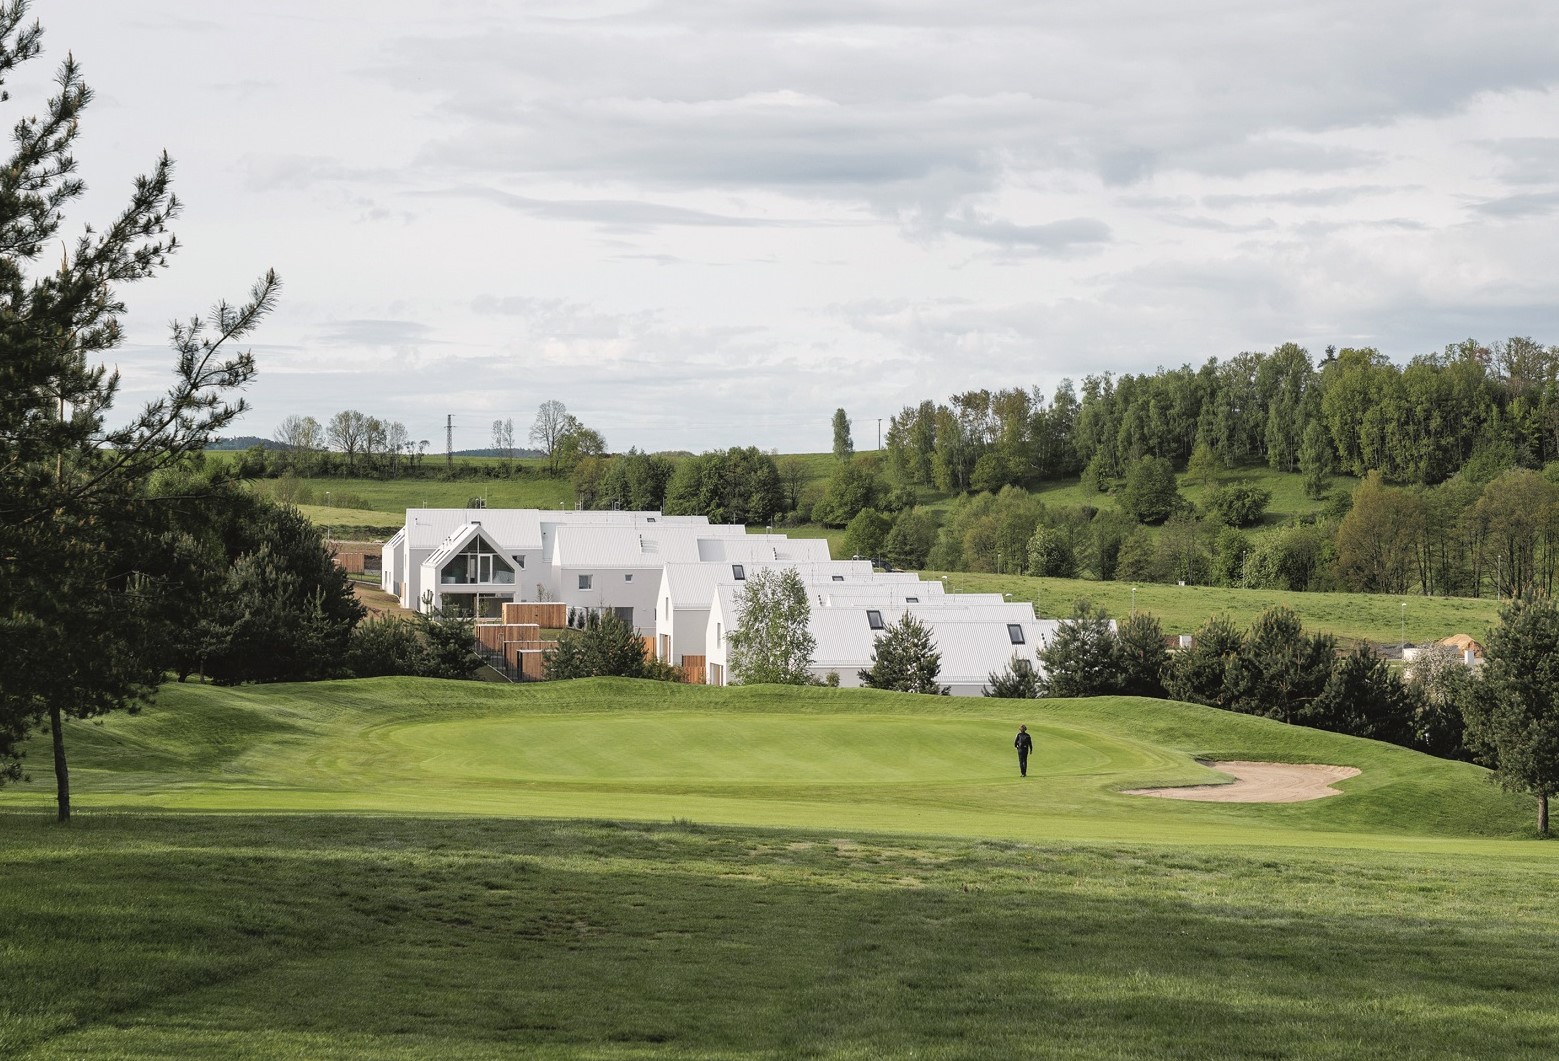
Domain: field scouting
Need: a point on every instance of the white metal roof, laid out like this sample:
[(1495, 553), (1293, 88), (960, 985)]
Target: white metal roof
[(517, 529), (628, 547), (691, 585), (764, 547), (971, 647)]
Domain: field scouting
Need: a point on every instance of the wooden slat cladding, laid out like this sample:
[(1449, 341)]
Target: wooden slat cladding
[(493, 636), (693, 669), (553, 616)]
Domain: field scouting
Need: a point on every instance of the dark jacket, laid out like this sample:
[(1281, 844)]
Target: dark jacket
[(1024, 743)]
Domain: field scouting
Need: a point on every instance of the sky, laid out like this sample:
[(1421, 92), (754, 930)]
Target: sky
[(702, 224)]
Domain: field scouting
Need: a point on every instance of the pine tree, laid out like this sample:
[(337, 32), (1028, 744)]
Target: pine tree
[(71, 621), (905, 659), (1016, 681), (1141, 660), (1079, 658)]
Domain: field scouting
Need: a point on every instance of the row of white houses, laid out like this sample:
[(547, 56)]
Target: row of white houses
[(676, 580)]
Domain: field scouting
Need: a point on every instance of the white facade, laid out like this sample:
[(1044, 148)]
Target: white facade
[(526, 537), (621, 567), (975, 638), (675, 578), (685, 591)]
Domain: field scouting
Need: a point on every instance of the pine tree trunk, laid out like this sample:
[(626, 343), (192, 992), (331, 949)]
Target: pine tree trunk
[(1542, 814), (62, 771)]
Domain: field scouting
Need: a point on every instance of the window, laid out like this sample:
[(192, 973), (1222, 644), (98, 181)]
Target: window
[(584, 581), (838, 578), (628, 577), (477, 564), (874, 620), (738, 572), (1021, 665), (911, 600), (717, 635), (1015, 632), (649, 519), (519, 561)]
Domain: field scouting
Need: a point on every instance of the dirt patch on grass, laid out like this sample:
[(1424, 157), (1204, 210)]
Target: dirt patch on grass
[(378, 602), (1259, 783)]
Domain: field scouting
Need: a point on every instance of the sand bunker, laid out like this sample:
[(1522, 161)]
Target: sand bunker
[(1260, 783)]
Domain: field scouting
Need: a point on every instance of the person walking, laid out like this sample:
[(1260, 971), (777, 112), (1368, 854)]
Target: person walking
[(1025, 744)]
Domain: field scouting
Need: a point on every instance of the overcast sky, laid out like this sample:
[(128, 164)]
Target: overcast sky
[(702, 223)]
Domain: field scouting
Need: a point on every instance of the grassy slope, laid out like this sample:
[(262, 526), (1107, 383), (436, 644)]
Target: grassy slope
[(806, 758), (408, 936)]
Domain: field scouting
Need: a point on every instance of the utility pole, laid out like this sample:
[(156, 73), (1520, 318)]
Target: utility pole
[(879, 432), (449, 443)]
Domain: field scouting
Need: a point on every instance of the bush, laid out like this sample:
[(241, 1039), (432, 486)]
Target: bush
[(1238, 504), (605, 647)]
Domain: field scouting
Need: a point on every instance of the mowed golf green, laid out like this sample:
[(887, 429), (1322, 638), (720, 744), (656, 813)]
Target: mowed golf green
[(398, 868)]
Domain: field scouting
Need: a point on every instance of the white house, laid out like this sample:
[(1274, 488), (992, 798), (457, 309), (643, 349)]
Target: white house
[(521, 538), (621, 567), (686, 589), (975, 638)]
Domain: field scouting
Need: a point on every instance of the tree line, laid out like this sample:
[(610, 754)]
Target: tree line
[(1354, 411), (356, 444)]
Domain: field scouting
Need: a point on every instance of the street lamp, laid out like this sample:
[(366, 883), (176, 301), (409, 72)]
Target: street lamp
[(1404, 627), (1134, 600)]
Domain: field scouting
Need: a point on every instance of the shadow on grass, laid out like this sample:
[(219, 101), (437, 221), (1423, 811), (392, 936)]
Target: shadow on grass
[(394, 937)]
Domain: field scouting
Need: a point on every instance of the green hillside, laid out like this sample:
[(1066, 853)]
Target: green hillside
[(540, 872)]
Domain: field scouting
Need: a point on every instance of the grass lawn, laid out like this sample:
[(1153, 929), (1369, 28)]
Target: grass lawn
[(615, 869)]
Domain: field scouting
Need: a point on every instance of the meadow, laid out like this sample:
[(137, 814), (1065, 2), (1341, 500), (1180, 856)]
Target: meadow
[(401, 868), (1373, 617)]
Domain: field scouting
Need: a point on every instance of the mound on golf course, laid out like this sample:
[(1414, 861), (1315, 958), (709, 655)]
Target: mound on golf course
[(812, 758)]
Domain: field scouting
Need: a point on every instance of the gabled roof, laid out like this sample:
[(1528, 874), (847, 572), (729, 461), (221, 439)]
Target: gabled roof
[(457, 540), (520, 529), (509, 530)]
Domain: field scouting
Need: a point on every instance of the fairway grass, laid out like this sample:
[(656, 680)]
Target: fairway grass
[(402, 868)]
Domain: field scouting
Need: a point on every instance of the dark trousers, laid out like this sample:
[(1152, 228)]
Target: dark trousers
[(1023, 763)]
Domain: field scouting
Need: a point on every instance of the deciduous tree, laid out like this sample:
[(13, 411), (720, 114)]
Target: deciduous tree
[(844, 446), (771, 642), (1151, 494), (1513, 714)]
